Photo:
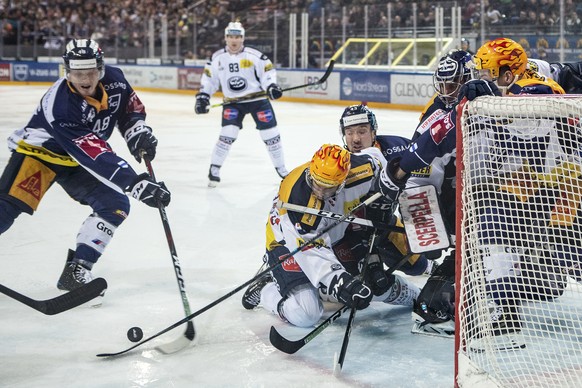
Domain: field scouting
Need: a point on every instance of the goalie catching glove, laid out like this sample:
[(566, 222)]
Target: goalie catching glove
[(140, 139), (202, 103), (274, 91), (146, 190)]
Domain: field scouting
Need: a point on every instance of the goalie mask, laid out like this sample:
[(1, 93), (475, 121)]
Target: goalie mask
[(454, 69), (83, 54), (328, 170)]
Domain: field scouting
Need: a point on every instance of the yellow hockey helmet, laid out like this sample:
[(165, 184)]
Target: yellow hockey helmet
[(501, 52), (330, 166)]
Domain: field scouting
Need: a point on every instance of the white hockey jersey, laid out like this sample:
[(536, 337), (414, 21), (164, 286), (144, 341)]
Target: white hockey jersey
[(238, 75)]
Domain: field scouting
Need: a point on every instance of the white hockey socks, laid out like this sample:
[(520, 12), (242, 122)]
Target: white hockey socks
[(403, 292), (228, 135), (272, 139), (95, 234)]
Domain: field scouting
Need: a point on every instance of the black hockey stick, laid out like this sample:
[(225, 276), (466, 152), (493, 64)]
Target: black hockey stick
[(291, 346), (61, 303), (339, 362), (190, 333), (301, 247), (335, 216), (264, 93)]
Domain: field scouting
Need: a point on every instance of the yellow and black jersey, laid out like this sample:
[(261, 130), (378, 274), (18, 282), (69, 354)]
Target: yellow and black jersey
[(533, 83), (289, 226)]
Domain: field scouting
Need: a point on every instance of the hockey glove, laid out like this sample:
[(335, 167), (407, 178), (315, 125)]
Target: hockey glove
[(352, 292), (202, 103), (149, 192), (274, 91), (478, 87), (390, 186), (375, 276), (140, 139)]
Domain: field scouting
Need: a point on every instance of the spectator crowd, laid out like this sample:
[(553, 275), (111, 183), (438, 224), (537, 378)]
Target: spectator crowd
[(124, 23)]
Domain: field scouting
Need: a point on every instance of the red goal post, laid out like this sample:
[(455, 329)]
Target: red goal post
[(519, 242)]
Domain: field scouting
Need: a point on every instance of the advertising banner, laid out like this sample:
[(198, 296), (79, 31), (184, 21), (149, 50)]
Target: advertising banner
[(35, 72), (328, 90), (411, 88), (189, 78), (365, 86)]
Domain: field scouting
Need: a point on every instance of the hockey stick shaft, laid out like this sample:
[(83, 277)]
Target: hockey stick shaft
[(248, 282), (291, 346), (344, 349), (190, 332), (61, 303), (264, 94), (335, 216)]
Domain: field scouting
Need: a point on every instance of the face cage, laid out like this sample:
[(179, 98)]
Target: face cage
[(449, 96), (324, 192)]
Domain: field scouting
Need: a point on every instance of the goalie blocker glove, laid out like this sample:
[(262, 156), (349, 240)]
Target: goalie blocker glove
[(146, 190), (351, 291), (478, 87), (274, 91), (202, 103)]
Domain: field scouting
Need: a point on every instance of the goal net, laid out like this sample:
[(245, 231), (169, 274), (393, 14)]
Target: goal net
[(519, 242)]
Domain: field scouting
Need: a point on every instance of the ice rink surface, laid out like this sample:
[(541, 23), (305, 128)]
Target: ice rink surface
[(219, 236)]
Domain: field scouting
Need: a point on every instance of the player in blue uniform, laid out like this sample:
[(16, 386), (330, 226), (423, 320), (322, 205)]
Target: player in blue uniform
[(358, 127), (65, 142)]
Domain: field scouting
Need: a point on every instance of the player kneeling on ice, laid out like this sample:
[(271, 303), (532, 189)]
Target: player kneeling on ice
[(65, 142), (336, 181)]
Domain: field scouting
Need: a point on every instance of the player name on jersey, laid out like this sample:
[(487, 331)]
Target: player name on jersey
[(423, 221)]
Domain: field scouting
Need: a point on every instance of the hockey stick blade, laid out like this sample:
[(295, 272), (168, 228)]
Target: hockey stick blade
[(63, 302), (264, 94), (181, 342), (248, 282), (288, 346)]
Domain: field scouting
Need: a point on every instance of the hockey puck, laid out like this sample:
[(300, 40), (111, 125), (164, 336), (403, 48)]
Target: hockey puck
[(135, 334)]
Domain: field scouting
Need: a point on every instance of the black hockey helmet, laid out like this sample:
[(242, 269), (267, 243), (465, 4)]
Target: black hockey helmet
[(357, 114), (454, 69), (82, 54)]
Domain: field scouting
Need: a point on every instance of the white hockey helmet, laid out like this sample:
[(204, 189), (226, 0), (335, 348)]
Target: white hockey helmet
[(234, 28)]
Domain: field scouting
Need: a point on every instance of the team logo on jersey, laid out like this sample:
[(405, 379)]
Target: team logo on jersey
[(290, 265), (114, 101), (246, 64), (237, 84), (92, 146), (265, 116), (230, 114)]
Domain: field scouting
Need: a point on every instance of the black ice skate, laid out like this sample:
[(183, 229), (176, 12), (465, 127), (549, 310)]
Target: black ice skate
[(252, 296), (213, 175), (74, 276), (505, 331)]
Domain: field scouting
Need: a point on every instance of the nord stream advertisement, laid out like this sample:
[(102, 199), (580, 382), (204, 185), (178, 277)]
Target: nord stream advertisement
[(365, 86)]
